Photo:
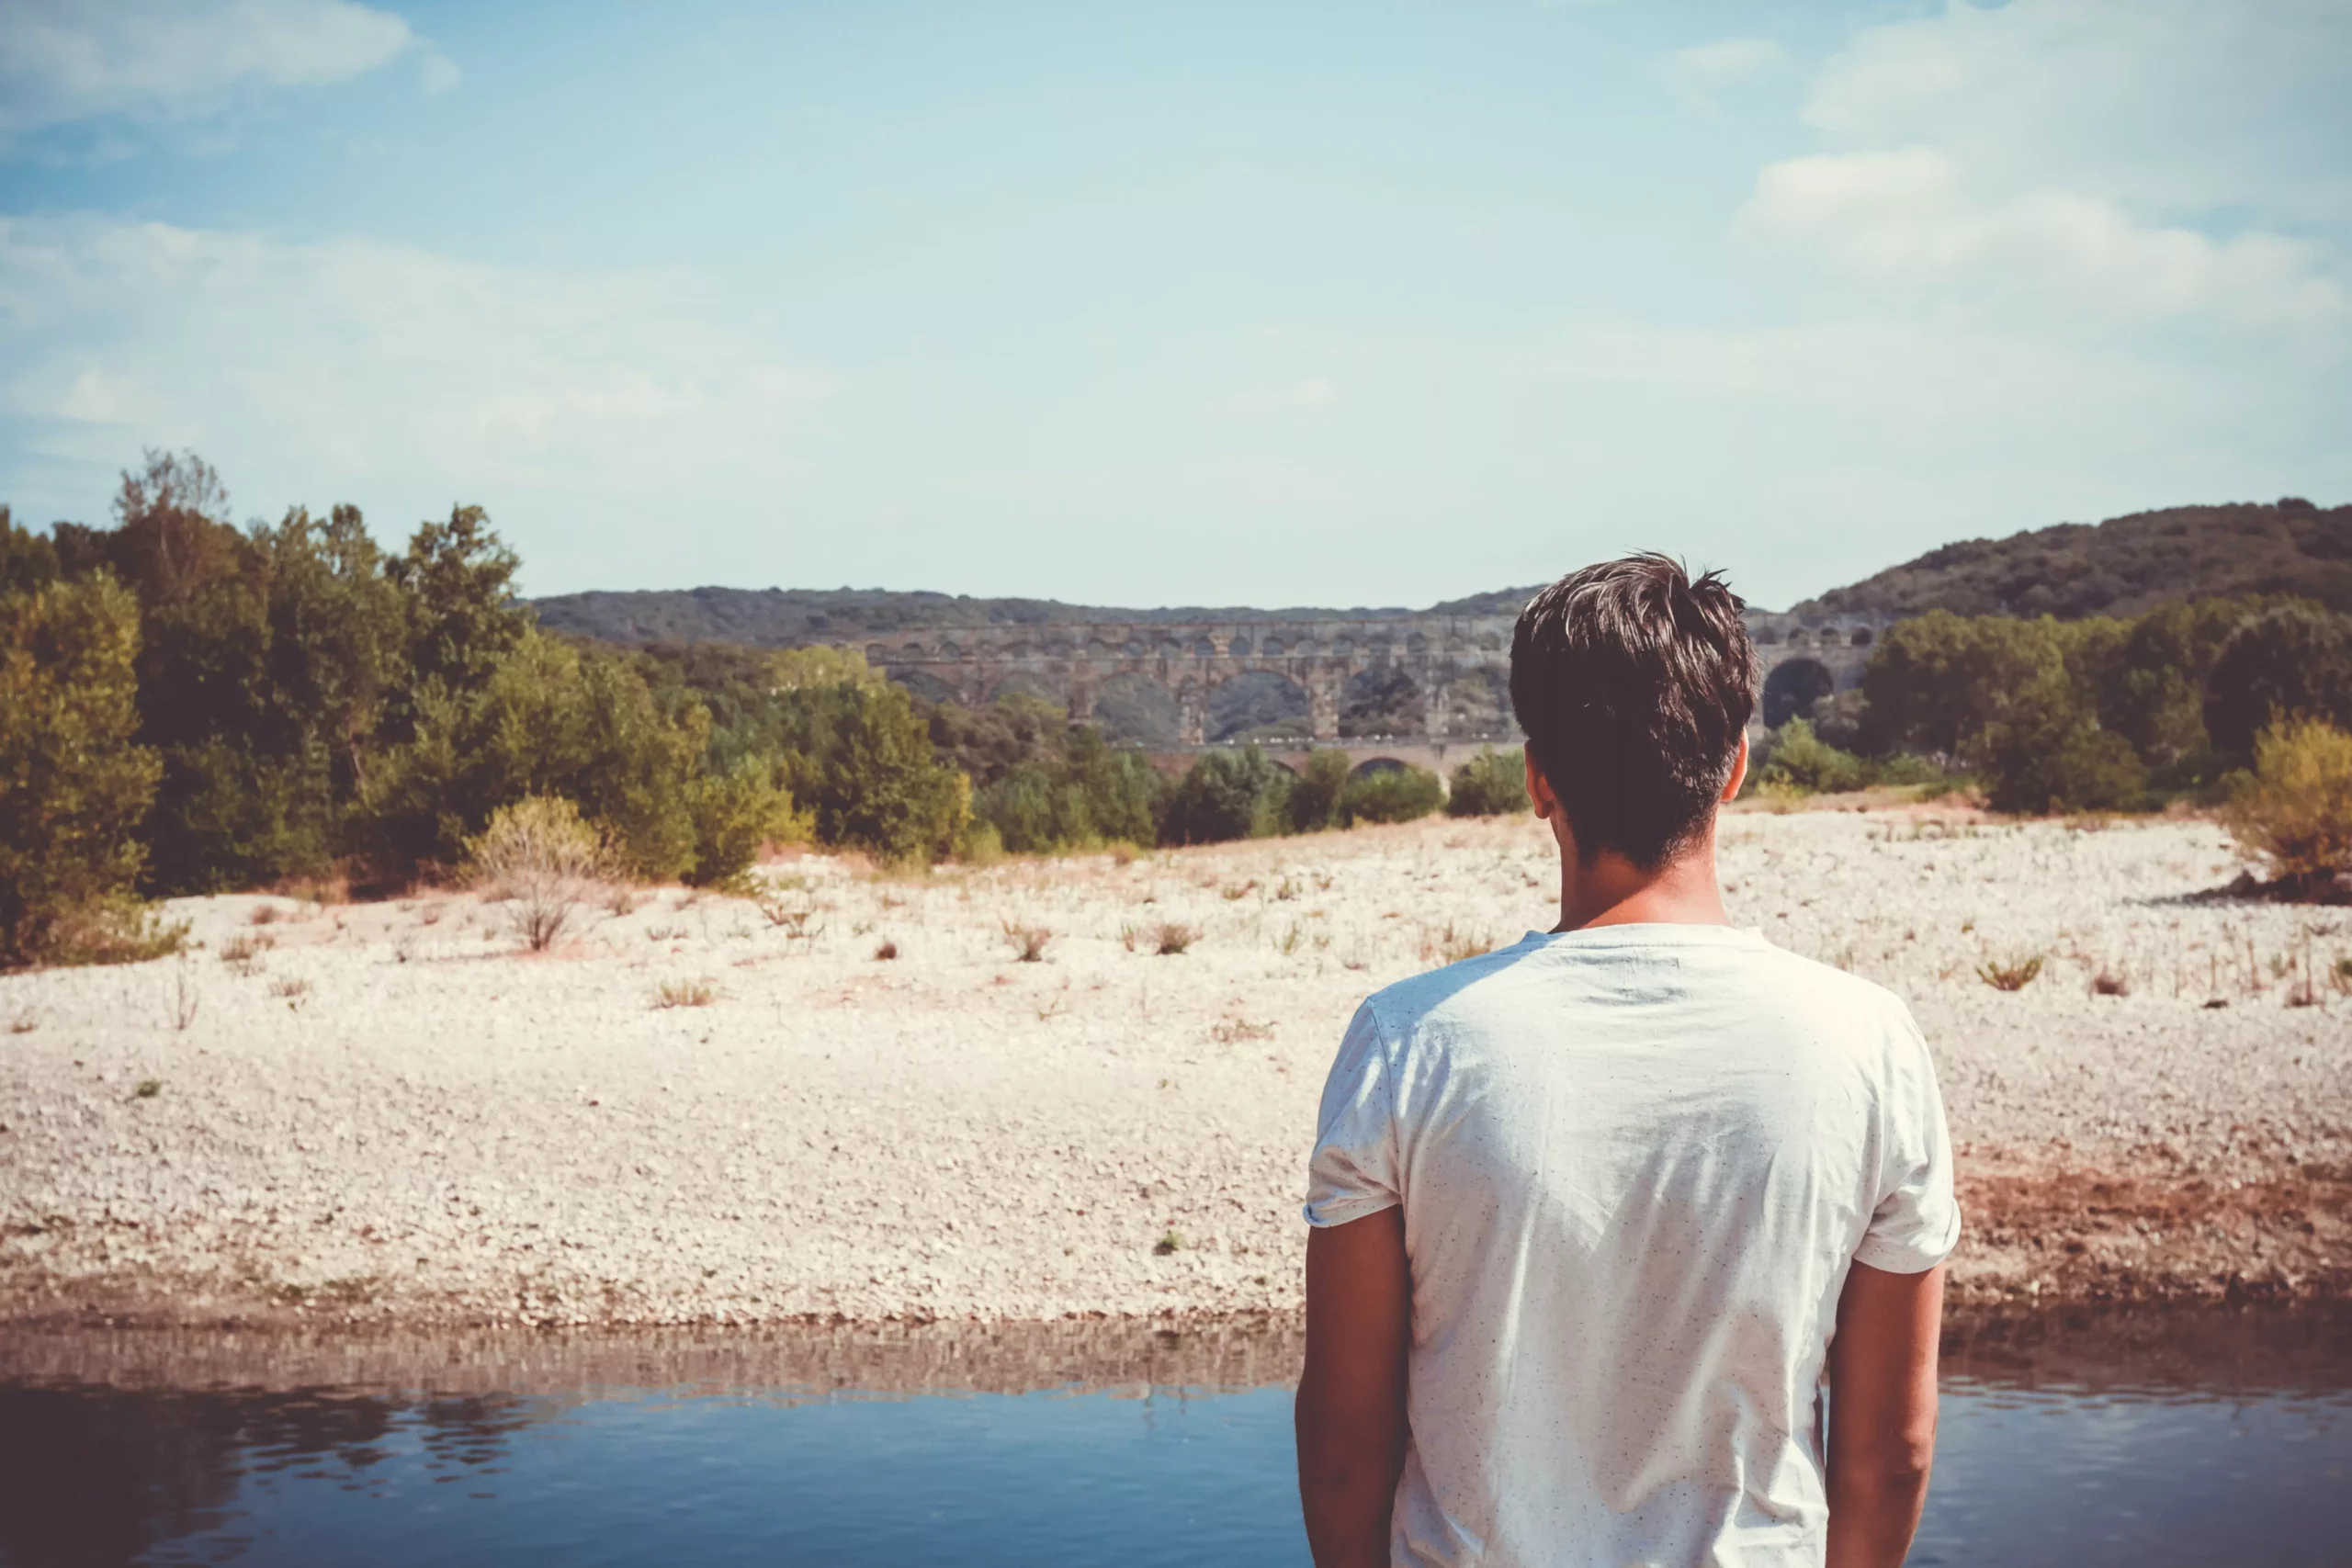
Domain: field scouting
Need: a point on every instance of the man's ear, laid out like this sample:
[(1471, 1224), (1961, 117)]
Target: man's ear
[(1539, 789), (1738, 770)]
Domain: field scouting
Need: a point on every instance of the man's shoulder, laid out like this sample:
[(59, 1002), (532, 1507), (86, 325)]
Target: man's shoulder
[(1775, 981), (1402, 1005)]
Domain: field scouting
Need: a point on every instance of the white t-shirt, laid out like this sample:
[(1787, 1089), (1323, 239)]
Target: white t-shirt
[(1635, 1162)]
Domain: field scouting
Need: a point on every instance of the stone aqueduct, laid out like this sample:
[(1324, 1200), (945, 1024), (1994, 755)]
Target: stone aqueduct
[(1455, 666)]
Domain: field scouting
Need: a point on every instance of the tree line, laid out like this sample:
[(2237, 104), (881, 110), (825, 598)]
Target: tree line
[(2103, 713), (187, 707)]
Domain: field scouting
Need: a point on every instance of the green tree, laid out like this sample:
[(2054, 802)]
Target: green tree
[(1315, 797), (1226, 795), (73, 781), (458, 580), (2151, 693), (549, 720), (860, 758), (2294, 659)]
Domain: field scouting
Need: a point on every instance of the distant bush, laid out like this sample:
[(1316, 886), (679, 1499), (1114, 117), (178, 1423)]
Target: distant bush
[(1492, 783), (541, 855), (1799, 761), (1225, 796), (1390, 794), (2296, 809), (1082, 795)]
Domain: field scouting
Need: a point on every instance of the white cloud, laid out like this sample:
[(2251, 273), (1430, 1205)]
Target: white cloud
[(1908, 215), (346, 365), (1701, 74), (62, 61), (1311, 394), (2173, 108), (438, 73)]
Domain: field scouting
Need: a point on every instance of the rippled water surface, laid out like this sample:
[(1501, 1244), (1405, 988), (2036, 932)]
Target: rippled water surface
[(2148, 1440)]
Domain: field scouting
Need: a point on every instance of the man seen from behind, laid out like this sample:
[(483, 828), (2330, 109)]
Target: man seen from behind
[(1593, 1213)]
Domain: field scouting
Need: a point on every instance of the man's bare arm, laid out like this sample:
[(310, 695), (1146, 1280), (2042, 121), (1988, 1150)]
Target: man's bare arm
[(1882, 1412), (1351, 1396)]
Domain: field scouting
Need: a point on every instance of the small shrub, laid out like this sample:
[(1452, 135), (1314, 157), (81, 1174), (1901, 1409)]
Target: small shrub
[(1492, 783), (23, 1023), (2295, 811), (1233, 892), (1390, 794), (264, 914), (2011, 977), (149, 1088), (2107, 982), (886, 952), (684, 994), (1171, 1241), (539, 853), (1172, 937), (1028, 942)]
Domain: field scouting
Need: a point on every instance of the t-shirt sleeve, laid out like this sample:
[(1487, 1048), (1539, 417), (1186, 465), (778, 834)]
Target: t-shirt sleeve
[(1916, 1221), (1353, 1169)]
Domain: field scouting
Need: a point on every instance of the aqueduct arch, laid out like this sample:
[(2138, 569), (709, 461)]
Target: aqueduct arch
[(1454, 666)]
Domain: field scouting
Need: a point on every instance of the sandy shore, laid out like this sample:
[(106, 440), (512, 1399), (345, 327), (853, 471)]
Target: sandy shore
[(387, 1113)]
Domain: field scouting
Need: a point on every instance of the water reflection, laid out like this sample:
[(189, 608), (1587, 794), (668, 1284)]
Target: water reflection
[(2147, 1437)]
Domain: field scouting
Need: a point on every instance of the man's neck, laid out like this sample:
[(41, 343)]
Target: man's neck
[(1614, 891)]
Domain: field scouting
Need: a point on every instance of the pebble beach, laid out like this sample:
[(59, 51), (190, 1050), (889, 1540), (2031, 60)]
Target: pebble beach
[(853, 1100)]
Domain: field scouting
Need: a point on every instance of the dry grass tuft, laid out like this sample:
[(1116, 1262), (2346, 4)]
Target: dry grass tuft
[(2015, 976), (684, 994), (1028, 942), (1172, 937)]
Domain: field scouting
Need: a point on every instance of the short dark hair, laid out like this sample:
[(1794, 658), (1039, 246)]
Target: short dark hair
[(1634, 684)]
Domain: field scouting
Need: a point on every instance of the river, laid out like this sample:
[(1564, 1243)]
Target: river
[(2153, 1439)]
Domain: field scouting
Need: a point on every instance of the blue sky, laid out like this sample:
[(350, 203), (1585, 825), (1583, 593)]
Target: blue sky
[(1363, 303)]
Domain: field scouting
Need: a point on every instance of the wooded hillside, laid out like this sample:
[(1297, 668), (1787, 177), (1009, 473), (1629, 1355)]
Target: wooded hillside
[(2122, 566)]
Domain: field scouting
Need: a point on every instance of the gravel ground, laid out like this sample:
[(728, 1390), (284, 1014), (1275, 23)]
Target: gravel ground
[(387, 1113)]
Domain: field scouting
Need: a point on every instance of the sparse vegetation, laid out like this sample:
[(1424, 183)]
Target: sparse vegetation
[(148, 1088), (885, 952), (2014, 975)]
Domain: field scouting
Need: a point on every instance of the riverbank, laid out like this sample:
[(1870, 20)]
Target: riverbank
[(701, 1111)]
